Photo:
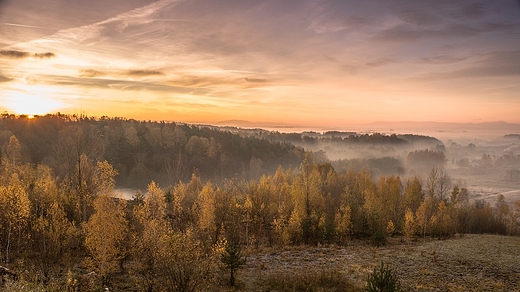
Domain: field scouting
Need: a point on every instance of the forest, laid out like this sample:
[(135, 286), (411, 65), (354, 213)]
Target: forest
[(202, 195)]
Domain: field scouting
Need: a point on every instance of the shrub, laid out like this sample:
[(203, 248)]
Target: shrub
[(383, 279)]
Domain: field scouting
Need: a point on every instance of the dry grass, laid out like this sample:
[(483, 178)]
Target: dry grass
[(469, 263)]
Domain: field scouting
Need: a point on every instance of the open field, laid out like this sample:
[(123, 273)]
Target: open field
[(487, 186), (468, 263)]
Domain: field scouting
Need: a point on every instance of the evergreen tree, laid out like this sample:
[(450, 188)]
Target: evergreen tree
[(232, 259)]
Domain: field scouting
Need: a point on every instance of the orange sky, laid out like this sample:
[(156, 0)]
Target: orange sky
[(309, 63)]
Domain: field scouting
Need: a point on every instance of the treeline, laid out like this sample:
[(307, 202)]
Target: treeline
[(73, 233), (142, 151), (350, 145), (337, 138)]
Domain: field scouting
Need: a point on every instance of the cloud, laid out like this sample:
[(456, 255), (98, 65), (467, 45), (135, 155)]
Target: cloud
[(442, 59), (143, 72), (118, 84), (13, 54), (90, 73), (225, 81), (4, 79), (256, 80), (496, 64), (407, 33), (128, 73), (113, 26), (25, 25), (44, 55)]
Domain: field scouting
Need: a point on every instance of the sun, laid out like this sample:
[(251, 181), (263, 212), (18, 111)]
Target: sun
[(31, 101)]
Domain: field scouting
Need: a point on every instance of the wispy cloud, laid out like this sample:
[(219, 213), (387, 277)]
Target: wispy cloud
[(25, 25), (136, 16), (229, 82), (91, 73), (442, 59), (118, 84), (496, 64), (129, 73)]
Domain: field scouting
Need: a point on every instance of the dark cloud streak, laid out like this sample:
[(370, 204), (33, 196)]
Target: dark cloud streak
[(442, 59), (4, 79), (144, 72), (129, 73), (44, 55), (14, 54)]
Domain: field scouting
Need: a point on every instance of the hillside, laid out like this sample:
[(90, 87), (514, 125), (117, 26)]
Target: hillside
[(142, 151)]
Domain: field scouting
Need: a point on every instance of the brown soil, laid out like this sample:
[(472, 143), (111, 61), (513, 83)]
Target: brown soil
[(468, 263)]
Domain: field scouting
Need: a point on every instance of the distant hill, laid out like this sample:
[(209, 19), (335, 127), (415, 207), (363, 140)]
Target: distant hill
[(498, 128), (250, 125), (143, 151)]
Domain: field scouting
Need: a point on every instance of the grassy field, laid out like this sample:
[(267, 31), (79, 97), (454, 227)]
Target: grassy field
[(468, 263)]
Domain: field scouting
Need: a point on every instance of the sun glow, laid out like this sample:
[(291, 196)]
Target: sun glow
[(32, 100)]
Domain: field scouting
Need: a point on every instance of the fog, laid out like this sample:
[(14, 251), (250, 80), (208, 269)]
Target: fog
[(484, 158)]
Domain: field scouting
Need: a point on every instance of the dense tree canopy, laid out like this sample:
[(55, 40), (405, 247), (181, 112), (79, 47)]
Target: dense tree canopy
[(140, 151)]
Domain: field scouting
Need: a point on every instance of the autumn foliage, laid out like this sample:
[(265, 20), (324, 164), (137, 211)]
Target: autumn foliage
[(70, 226)]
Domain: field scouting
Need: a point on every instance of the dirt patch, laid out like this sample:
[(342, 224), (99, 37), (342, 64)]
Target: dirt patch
[(469, 263)]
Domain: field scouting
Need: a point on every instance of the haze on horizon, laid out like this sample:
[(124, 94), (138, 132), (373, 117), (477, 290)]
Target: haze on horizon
[(304, 62)]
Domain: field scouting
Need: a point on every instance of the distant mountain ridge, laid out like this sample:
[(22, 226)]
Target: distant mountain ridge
[(500, 127), (249, 124)]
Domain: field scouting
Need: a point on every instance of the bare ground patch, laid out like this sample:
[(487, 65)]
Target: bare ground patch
[(469, 263)]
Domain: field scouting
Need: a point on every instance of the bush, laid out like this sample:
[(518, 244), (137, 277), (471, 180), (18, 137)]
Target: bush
[(383, 279)]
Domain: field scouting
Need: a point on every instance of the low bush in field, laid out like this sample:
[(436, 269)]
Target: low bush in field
[(383, 279)]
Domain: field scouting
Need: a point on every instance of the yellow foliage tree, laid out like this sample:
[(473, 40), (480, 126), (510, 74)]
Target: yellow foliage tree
[(106, 232), (15, 209), (410, 226), (205, 212), (343, 224)]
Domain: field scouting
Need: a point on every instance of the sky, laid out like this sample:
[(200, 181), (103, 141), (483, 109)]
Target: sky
[(292, 62)]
